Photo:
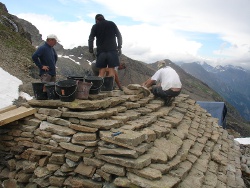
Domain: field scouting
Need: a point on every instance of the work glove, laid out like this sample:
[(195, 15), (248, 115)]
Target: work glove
[(91, 50), (119, 51)]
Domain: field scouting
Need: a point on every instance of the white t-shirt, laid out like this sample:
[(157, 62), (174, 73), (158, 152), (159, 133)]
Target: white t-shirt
[(168, 78)]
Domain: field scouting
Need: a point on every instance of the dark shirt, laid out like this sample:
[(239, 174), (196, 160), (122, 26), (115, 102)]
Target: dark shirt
[(45, 55), (106, 33)]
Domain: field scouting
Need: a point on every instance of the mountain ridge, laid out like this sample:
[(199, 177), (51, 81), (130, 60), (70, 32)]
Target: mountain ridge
[(231, 82)]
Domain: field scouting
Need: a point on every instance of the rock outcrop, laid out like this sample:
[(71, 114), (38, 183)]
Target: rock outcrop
[(119, 139)]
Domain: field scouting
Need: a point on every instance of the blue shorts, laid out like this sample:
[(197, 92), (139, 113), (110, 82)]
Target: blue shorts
[(107, 59)]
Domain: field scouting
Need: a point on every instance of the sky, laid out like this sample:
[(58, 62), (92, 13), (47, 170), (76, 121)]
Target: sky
[(214, 31)]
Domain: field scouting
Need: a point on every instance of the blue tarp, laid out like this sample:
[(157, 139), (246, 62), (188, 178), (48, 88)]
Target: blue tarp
[(216, 109)]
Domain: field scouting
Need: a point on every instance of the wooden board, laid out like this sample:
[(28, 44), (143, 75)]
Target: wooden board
[(15, 114), (8, 108)]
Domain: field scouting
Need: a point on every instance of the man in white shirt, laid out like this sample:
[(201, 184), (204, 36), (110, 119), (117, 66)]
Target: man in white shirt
[(167, 80)]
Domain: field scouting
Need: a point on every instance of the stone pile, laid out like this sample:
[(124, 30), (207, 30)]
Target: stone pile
[(119, 139), (245, 163)]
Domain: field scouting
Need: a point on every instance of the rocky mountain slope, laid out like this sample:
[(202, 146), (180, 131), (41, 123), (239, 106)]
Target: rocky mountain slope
[(19, 39)]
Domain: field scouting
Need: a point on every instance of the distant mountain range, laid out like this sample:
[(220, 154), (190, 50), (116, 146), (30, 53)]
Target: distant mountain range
[(231, 82)]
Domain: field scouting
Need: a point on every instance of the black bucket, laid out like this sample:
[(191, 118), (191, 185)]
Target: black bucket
[(51, 92), (66, 89), (77, 78), (39, 91), (97, 83), (108, 83)]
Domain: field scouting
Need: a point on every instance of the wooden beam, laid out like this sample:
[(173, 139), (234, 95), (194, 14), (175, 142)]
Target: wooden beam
[(15, 114), (8, 108)]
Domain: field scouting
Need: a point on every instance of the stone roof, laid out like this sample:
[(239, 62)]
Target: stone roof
[(122, 139)]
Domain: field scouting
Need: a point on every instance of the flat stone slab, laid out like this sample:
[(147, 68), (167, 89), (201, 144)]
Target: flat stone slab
[(119, 152), (83, 128), (57, 129), (131, 114), (165, 181), (143, 121), (139, 163), (102, 123), (128, 137), (146, 92), (167, 146), (90, 114), (72, 147), (76, 104), (148, 173), (157, 155), (123, 182)]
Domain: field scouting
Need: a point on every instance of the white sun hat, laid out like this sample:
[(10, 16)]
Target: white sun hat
[(53, 36), (161, 64)]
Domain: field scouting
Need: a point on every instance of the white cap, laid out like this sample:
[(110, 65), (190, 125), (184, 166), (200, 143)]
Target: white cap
[(161, 64), (52, 36)]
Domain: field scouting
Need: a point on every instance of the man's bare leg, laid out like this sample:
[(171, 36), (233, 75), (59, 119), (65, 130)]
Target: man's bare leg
[(117, 81), (111, 71), (102, 72)]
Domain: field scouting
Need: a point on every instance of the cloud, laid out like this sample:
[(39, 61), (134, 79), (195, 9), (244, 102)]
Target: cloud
[(138, 44), (157, 28), (209, 16), (70, 34)]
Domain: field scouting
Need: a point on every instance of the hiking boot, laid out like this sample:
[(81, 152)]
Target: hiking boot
[(168, 101), (120, 88), (156, 97)]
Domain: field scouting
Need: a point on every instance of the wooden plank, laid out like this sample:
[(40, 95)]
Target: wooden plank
[(8, 108), (15, 114)]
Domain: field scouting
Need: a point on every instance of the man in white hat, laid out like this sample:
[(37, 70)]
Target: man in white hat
[(45, 58), (169, 84)]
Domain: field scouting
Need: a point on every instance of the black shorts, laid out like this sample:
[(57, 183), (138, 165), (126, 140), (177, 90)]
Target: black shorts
[(107, 59)]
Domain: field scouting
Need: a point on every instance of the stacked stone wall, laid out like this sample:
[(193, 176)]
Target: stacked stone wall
[(118, 139)]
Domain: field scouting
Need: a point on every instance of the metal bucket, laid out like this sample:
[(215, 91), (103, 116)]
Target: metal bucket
[(83, 89)]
